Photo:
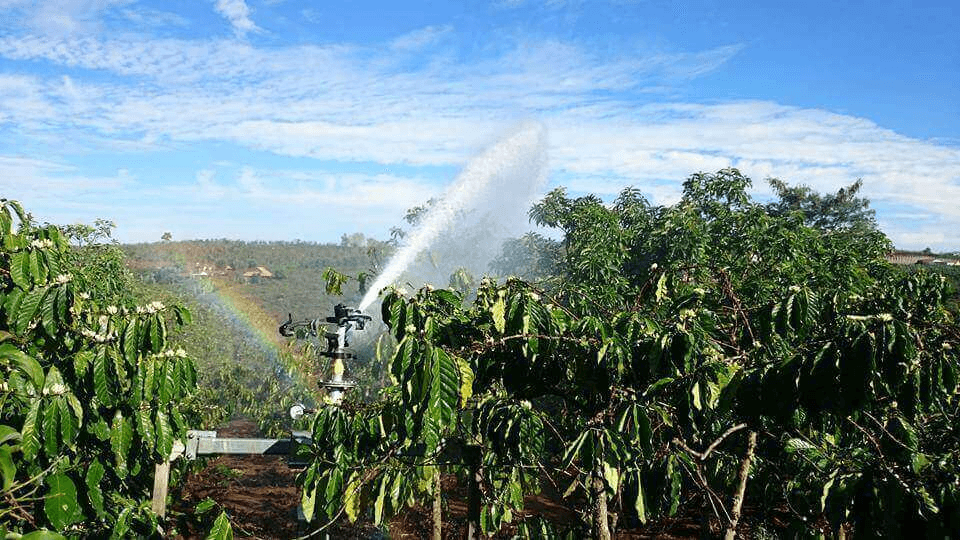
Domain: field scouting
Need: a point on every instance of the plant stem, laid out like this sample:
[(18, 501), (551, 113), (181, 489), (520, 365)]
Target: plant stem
[(737, 502)]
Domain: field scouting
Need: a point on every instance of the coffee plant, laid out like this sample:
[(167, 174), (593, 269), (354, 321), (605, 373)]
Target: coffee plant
[(702, 354), (90, 390)]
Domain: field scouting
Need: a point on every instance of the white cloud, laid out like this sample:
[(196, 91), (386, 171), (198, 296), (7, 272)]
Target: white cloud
[(58, 17), (354, 104), (418, 39), (154, 17), (238, 13)]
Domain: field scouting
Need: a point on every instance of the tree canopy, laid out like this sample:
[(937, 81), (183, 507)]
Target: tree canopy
[(702, 353)]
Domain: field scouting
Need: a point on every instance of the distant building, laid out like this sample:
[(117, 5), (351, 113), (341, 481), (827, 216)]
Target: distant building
[(907, 258), (258, 272)]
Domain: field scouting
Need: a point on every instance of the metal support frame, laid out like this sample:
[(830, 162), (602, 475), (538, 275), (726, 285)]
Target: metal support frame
[(206, 443)]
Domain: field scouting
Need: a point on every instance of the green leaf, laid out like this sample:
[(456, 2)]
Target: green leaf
[(26, 364), (102, 384), (81, 362), (30, 432), (351, 498), (51, 259), (145, 428), (130, 341), (43, 535), (639, 504), (53, 384), (168, 385), (7, 433), (378, 503), (29, 308), (37, 271), (8, 469), (164, 434), (19, 271), (466, 381), (444, 387), (797, 445), (183, 315), (69, 424), (62, 308), (121, 438), (121, 526), (95, 472), (149, 369), (221, 528), (308, 497), (74, 404), (60, 504), (204, 506), (48, 317), (612, 476), (51, 428), (498, 311)]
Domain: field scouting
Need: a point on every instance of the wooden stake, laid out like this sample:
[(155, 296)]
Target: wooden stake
[(161, 477)]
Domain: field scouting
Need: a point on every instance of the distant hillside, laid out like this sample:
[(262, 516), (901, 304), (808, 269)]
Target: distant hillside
[(280, 277)]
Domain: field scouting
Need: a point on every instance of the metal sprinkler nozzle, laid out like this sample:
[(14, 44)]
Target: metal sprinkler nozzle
[(347, 319)]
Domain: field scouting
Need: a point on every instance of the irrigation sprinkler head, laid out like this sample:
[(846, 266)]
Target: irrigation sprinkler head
[(344, 316), (347, 319)]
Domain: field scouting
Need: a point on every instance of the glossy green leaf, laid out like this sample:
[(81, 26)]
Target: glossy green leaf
[(8, 468), (19, 270), (498, 312), (43, 535), (28, 365), (204, 506), (29, 308), (48, 317), (222, 530), (51, 428), (95, 473), (8, 434), (60, 502), (121, 439), (30, 432), (351, 498), (37, 270), (145, 430), (102, 378), (164, 434)]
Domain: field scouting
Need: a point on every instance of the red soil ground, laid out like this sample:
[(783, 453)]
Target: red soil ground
[(259, 494)]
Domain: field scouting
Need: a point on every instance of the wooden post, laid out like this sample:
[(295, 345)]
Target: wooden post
[(437, 506), (161, 477)]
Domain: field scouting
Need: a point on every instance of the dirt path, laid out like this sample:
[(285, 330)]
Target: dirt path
[(260, 495)]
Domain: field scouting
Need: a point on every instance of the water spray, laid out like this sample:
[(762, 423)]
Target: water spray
[(504, 176)]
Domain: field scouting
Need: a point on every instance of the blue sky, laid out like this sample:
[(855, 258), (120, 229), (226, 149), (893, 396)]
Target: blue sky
[(286, 119)]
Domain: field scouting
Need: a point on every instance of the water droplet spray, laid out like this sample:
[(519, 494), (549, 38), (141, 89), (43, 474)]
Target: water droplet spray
[(495, 188)]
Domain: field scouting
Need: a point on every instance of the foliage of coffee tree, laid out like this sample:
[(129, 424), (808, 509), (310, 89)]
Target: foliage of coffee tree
[(694, 354), (90, 391)]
